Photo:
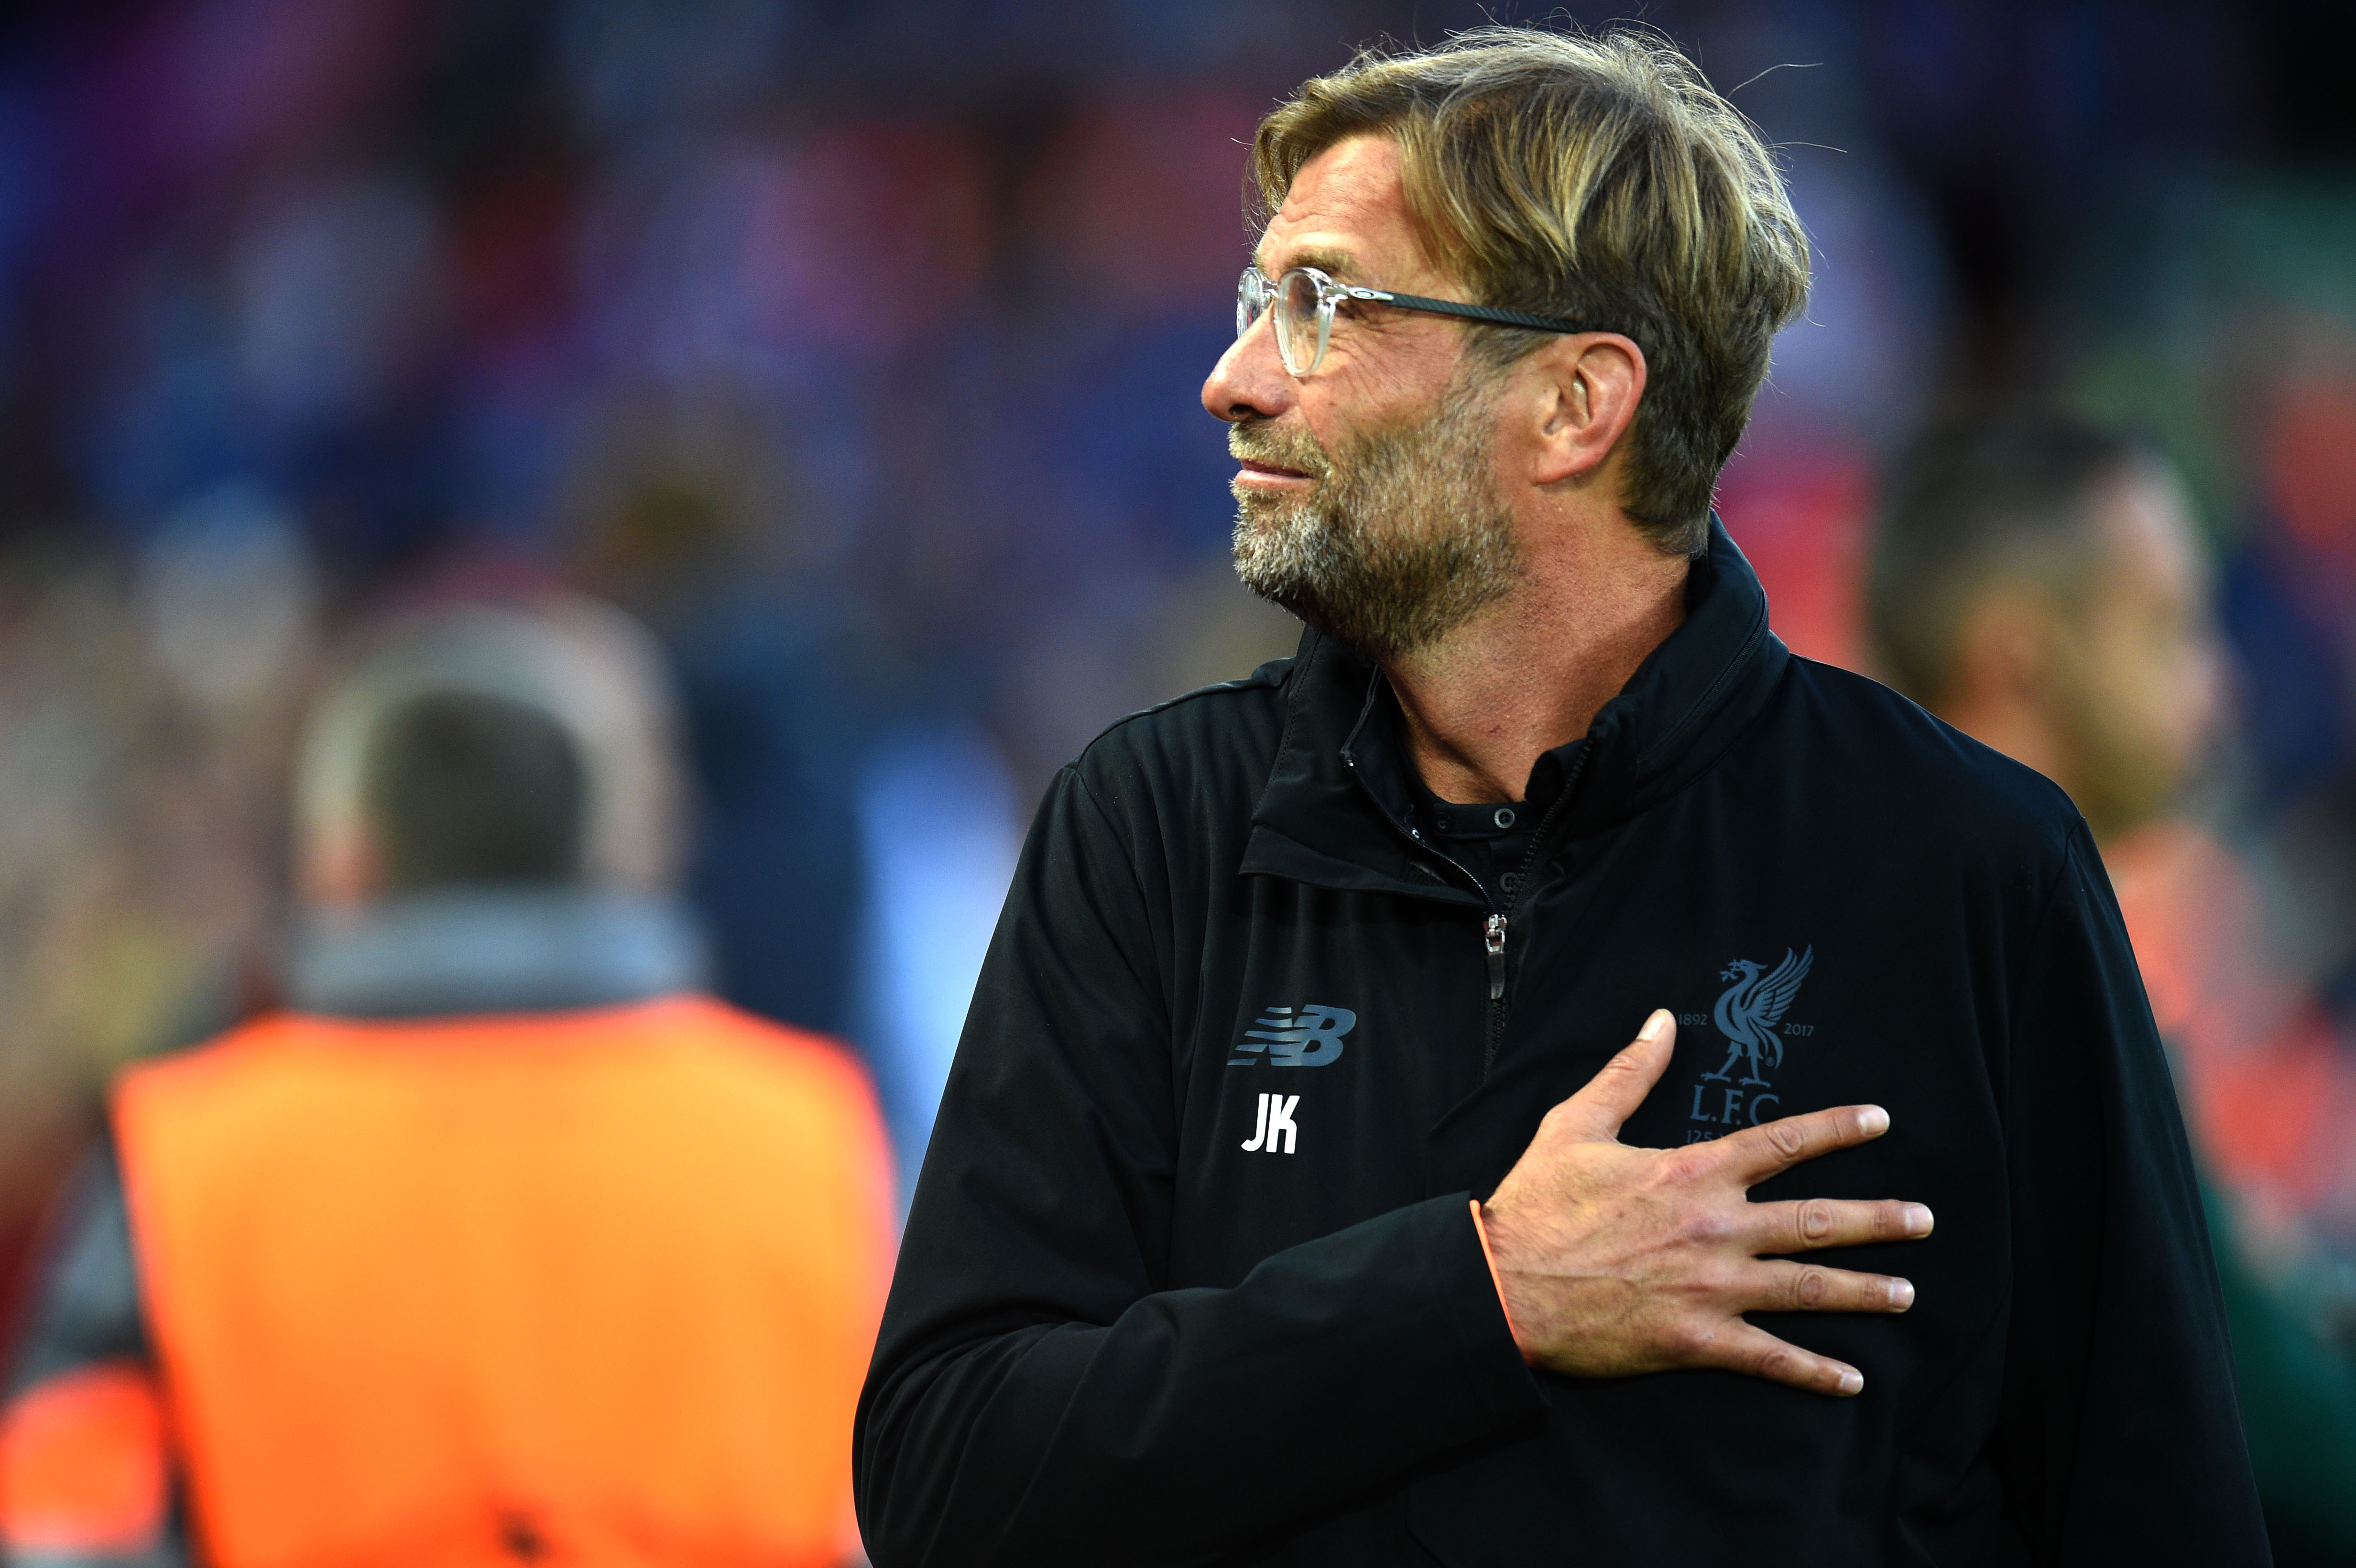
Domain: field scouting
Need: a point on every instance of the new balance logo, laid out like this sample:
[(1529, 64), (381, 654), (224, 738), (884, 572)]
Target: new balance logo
[(1275, 1118), (1309, 1037)]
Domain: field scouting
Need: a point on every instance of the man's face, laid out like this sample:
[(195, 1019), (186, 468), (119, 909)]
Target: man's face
[(2138, 680), (1367, 500)]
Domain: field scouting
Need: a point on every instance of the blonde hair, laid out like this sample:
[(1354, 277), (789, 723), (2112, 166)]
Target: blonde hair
[(1594, 179)]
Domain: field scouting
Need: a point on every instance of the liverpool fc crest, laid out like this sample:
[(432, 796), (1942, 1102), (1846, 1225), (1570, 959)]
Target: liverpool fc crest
[(1749, 1009)]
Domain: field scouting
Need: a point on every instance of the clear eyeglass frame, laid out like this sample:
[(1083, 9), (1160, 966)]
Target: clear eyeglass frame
[(1304, 299)]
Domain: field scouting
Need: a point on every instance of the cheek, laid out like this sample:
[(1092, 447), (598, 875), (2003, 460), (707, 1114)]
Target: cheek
[(2165, 686), (2199, 691), (1376, 382)]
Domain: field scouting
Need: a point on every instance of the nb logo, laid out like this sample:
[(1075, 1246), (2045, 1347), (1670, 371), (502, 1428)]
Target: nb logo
[(1307, 1037), (1275, 1121)]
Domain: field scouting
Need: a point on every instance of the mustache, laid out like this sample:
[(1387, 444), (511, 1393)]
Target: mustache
[(1295, 450)]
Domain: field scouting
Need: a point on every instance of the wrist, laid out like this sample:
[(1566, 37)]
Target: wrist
[(1497, 1280)]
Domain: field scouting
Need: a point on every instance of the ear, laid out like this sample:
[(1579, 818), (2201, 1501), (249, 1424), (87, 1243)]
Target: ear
[(2005, 654), (341, 869), (1587, 389)]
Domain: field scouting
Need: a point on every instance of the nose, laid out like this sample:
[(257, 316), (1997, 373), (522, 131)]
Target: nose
[(1249, 381)]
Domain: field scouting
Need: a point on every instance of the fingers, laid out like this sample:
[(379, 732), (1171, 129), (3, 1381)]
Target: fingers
[(1785, 1287), (1835, 1223), (1757, 1153), (1612, 1096), (1743, 1348)]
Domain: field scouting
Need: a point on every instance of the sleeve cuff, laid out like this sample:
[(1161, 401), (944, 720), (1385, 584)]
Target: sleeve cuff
[(1480, 1229)]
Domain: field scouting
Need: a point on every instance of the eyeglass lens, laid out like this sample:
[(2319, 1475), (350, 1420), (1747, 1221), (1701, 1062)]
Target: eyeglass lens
[(1301, 326), (1251, 299)]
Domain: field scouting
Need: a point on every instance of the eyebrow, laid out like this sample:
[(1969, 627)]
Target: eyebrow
[(1333, 262)]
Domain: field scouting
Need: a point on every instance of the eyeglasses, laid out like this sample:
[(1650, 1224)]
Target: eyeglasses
[(1304, 299)]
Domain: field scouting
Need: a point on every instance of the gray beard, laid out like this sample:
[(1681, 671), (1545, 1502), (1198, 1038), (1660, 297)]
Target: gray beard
[(1401, 542)]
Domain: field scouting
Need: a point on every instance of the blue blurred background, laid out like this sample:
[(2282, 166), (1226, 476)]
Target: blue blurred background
[(854, 348)]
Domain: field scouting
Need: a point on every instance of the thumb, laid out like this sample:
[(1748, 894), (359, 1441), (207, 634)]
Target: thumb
[(1612, 1096)]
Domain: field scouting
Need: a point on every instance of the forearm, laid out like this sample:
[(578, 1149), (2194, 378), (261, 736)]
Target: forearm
[(86, 1467), (1196, 1420)]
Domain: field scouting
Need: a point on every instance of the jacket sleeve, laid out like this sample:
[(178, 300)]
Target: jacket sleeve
[(2121, 1435), (1039, 1395), (86, 1472)]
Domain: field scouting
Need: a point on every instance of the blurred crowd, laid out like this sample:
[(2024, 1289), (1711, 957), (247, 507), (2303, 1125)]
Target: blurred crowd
[(852, 350)]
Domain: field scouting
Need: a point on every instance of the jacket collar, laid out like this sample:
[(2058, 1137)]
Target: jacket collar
[(1338, 808), (493, 950)]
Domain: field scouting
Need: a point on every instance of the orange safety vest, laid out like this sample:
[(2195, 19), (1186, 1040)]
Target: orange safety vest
[(591, 1287)]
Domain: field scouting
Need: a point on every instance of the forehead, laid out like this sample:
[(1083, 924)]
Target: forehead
[(1346, 212), (2145, 517)]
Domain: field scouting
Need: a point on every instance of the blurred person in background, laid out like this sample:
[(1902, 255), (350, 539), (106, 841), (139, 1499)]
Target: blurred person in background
[(819, 760), (2037, 582), (686, 518), (504, 1242), (149, 706), (1538, 768)]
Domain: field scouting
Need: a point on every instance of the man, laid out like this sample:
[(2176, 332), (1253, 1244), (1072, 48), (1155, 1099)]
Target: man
[(506, 1245), (1296, 969), (2036, 581)]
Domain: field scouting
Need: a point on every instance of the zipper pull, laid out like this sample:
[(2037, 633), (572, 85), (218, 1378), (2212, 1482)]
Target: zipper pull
[(1496, 931)]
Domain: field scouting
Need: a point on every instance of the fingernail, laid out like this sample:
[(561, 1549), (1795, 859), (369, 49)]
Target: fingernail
[(1873, 1121), (1918, 1220), (1852, 1380), (1901, 1294), (1656, 1025)]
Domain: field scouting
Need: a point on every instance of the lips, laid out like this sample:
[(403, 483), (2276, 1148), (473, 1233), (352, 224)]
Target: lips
[(1273, 471), (1265, 461)]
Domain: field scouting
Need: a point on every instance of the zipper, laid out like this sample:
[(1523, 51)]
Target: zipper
[(1415, 835), (1492, 930), (1495, 923)]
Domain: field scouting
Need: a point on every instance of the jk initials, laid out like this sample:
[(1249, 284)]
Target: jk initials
[(1275, 1116)]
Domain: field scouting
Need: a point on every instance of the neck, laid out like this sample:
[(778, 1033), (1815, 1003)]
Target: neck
[(2029, 735), (1529, 673), (2012, 727)]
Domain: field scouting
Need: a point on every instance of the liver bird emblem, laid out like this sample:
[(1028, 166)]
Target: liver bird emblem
[(1749, 1011)]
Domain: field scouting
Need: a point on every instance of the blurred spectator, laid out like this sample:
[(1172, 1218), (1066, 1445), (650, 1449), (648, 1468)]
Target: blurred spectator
[(504, 1242), (148, 714), (2037, 581), (684, 513), (813, 764)]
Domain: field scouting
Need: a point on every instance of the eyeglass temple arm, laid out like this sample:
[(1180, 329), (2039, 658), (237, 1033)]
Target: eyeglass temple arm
[(1469, 311)]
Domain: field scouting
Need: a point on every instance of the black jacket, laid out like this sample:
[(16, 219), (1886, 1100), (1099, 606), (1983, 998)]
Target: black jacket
[(1122, 1332)]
